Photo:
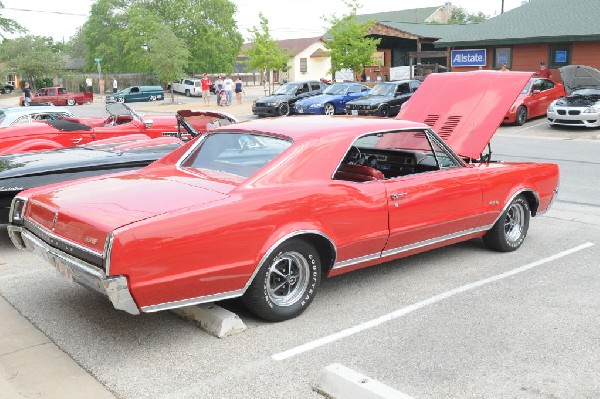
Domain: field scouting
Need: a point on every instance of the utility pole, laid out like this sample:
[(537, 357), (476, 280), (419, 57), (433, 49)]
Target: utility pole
[(502, 9)]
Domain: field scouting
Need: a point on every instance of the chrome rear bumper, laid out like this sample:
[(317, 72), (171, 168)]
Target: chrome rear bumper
[(115, 287)]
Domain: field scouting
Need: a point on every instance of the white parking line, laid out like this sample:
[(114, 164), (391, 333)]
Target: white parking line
[(411, 308), (526, 128)]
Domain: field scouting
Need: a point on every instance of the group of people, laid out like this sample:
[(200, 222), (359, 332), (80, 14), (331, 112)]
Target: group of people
[(224, 89), (543, 72)]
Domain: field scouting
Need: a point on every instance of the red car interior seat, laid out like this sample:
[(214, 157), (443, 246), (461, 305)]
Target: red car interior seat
[(358, 173)]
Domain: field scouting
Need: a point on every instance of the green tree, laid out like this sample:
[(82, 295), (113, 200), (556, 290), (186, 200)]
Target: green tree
[(265, 54), (167, 55), (8, 25), (349, 46), (462, 16), (102, 34), (31, 57), (207, 27)]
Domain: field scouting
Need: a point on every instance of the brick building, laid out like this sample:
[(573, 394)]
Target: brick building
[(554, 31)]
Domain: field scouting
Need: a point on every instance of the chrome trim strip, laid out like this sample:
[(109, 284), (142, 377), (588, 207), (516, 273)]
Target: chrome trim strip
[(108, 251), (433, 241), (192, 301), (237, 293), (88, 275), (395, 251), (46, 232)]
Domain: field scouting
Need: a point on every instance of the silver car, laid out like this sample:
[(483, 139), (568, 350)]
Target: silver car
[(19, 115), (581, 107)]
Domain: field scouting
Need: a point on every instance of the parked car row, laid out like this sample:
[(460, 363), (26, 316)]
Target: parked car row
[(312, 97), (299, 200)]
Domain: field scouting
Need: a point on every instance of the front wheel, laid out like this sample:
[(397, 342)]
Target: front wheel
[(71, 101), (329, 109), (521, 117), (284, 109), (121, 99), (384, 111), (286, 282), (510, 230)]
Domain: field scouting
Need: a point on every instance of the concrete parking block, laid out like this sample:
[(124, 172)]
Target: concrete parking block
[(338, 382), (213, 319)]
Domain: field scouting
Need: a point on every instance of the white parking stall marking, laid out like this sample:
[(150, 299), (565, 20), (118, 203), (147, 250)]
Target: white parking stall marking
[(526, 128), (419, 305)]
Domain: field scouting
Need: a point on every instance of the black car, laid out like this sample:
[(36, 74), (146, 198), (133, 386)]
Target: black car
[(8, 88), (283, 98), (385, 99), (33, 169)]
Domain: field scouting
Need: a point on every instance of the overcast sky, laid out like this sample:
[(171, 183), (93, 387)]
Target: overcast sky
[(287, 18)]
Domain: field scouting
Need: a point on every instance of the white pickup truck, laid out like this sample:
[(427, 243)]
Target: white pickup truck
[(188, 86)]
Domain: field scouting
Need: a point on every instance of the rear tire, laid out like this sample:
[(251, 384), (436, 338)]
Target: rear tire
[(286, 283), (510, 230), (71, 102)]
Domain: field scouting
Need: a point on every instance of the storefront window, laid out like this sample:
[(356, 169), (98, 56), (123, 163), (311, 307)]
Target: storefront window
[(560, 55), (502, 55)]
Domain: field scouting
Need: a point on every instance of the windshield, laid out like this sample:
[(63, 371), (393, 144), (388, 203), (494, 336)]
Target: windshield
[(383, 89), (240, 154), (336, 89), (587, 93), (122, 109), (2, 117), (287, 88), (526, 88)]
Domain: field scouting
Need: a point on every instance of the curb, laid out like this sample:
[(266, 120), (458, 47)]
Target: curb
[(339, 382)]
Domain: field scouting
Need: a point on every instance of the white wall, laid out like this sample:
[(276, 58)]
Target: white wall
[(317, 67)]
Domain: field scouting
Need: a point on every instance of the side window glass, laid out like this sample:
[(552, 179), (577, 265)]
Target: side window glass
[(315, 86), (62, 90)]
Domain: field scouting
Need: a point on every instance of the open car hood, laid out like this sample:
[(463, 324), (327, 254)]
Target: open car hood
[(465, 108), (579, 77)]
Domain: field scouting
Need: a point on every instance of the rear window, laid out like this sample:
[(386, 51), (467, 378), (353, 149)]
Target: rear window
[(239, 154)]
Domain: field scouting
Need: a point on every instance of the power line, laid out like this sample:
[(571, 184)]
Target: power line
[(46, 12)]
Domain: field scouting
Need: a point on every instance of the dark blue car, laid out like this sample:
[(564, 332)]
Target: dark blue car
[(333, 100)]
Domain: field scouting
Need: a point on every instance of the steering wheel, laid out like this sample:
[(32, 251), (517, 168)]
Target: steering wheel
[(353, 156)]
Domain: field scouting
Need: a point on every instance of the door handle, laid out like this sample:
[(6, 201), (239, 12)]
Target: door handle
[(397, 196), (77, 141)]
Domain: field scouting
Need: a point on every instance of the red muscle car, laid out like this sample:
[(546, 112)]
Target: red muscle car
[(68, 132), (534, 100), (264, 209)]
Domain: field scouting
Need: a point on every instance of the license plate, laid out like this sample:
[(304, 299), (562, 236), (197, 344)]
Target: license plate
[(354, 112), (63, 269)]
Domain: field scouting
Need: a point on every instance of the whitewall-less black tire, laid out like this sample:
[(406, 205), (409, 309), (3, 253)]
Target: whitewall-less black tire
[(286, 283), (510, 230)]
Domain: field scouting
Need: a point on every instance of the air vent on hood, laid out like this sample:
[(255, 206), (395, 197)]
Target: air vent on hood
[(431, 120), (449, 125)]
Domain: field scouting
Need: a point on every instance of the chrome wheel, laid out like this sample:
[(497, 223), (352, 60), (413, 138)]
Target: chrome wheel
[(510, 230), (284, 109), (287, 278), (521, 116), (70, 101), (329, 109), (121, 100), (514, 222)]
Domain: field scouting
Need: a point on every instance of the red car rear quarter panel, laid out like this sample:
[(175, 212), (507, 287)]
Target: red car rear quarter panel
[(216, 248)]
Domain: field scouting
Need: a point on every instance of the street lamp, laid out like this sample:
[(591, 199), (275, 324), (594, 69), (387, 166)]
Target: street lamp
[(98, 61)]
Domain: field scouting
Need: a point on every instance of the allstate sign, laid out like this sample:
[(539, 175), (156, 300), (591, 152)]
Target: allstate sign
[(475, 57)]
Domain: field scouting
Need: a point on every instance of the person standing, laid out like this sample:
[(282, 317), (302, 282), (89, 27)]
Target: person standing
[(228, 86), (205, 85), (218, 88), (115, 85), (504, 68), (544, 72), (239, 89), (88, 83), (26, 94)]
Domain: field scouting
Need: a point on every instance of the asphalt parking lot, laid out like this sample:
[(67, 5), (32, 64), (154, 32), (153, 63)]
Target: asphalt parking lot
[(457, 322)]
